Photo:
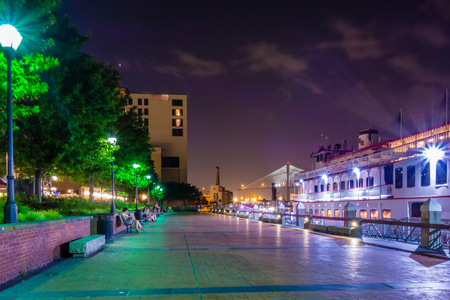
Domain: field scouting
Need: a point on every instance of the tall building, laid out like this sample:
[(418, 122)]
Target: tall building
[(166, 118)]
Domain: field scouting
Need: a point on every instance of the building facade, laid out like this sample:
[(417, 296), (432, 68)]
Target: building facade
[(166, 118)]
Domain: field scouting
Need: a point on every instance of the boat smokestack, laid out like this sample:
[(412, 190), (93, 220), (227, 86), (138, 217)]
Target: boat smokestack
[(217, 176)]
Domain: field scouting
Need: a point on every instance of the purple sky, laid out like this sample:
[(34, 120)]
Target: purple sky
[(264, 81)]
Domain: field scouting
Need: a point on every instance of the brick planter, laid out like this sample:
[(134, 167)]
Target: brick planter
[(31, 245)]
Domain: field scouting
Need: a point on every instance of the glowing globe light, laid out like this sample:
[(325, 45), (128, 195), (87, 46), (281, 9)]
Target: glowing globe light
[(148, 177), (9, 36), (136, 166), (433, 153), (356, 171), (324, 177)]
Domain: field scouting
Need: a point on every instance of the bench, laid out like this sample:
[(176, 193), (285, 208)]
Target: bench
[(86, 246), (129, 226)]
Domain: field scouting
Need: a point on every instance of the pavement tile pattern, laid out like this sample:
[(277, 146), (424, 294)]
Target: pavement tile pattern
[(206, 256)]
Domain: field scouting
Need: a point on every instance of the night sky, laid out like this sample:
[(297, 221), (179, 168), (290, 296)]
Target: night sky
[(266, 79)]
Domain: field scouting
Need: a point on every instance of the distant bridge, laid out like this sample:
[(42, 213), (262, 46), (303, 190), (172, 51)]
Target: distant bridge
[(262, 188)]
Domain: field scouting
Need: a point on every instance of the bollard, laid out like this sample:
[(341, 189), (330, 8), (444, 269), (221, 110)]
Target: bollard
[(300, 211), (105, 225), (349, 213), (307, 223), (430, 242)]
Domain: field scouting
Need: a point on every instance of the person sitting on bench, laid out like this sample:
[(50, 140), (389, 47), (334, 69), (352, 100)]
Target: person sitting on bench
[(129, 220), (148, 215)]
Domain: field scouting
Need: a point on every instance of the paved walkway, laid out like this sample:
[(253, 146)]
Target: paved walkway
[(205, 256)]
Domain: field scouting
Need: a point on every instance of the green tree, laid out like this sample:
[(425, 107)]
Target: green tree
[(135, 148), (181, 191)]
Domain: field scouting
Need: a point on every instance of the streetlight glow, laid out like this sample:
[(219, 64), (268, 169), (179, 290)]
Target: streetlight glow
[(136, 166), (9, 36)]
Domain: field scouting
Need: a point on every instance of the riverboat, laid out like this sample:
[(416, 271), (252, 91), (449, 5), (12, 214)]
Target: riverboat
[(385, 180)]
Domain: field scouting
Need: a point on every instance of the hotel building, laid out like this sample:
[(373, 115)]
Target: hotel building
[(166, 118)]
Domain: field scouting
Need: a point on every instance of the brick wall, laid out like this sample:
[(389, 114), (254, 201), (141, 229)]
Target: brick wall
[(118, 226), (28, 246)]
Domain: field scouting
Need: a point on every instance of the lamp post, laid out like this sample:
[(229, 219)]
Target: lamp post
[(112, 140), (136, 166), (148, 177), (10, 39)]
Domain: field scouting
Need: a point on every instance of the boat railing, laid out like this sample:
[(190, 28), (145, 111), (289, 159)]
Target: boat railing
[(405, 230), (371, 192)]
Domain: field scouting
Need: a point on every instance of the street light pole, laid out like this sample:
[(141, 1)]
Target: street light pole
[(10, 39), (148, 176), (135, 166), (112, 140)]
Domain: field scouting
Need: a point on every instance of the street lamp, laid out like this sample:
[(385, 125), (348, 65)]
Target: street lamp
[(148, 177), (112, 140), (10, 39), (135, 166)]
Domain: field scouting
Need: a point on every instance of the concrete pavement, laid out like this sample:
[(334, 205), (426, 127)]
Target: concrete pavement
[(206, 256)]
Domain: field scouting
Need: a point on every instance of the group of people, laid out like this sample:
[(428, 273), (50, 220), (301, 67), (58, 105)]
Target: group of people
[(149, 215)]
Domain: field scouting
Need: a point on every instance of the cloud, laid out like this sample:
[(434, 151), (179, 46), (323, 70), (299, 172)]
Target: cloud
[(355, 42), (199, 67), (311, 85), (171, 70), (432, 35), (437, 9), (264, 56), (191, 65), (409, 66)]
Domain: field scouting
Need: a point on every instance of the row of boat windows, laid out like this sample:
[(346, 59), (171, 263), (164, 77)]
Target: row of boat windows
[(350, 184), (363, 213), (425, 174)]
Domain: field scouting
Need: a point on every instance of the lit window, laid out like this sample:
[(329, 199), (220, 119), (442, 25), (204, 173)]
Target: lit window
[(398, 178), (177, 122), (386, 213), (336, 213), (177, 112), (316, 213), (335, 186), (363, 214), (374, 214), (330, 213), (328, 187), (322, 212), (425, 175), (411, 176), (441, 172)]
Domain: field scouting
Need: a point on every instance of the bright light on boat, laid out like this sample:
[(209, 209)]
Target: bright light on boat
[(356, 171), (354, 224), (324, 177), (433, 153)]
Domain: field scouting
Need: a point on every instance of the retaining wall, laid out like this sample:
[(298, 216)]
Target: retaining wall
[(28, 246)]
